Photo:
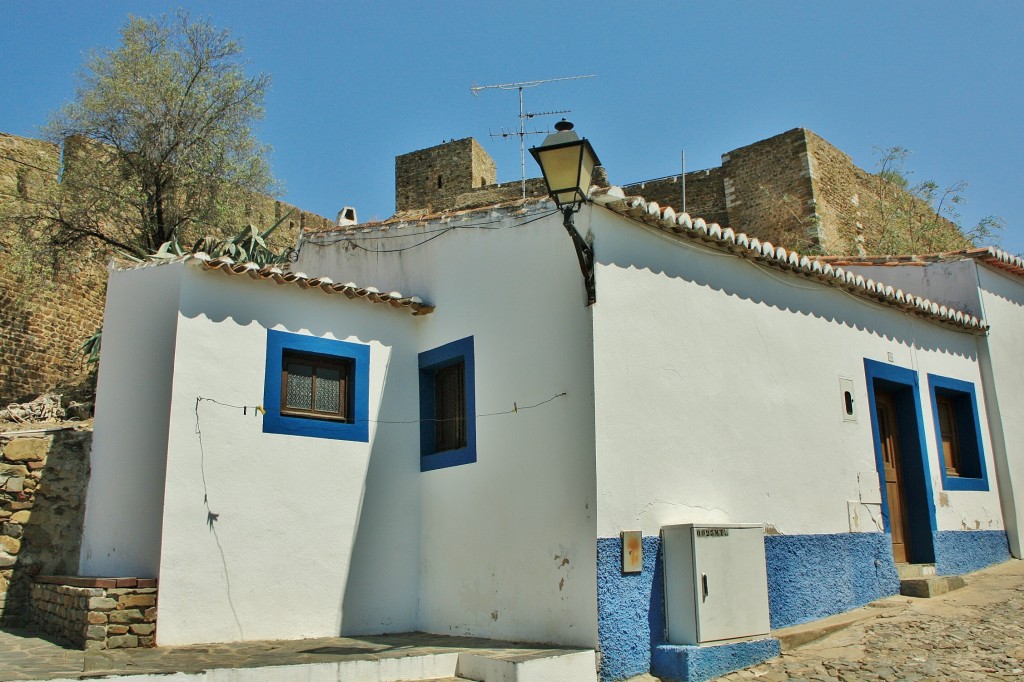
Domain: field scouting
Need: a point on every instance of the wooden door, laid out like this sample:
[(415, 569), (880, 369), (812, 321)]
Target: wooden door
[(887, 432)]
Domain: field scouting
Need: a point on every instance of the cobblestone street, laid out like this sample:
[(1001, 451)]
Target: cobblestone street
[(976, 633)]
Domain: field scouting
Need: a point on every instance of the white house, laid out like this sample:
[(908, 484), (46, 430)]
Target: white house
[(465, 456)]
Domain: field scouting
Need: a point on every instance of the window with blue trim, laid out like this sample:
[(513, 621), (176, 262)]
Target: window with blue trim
[(447, 405), (958, 434), (316, 387)]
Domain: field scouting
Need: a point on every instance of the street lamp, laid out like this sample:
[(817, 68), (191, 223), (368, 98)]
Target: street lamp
[(568, 163)]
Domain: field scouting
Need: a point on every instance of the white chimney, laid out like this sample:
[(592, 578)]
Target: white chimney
[(347, 216)]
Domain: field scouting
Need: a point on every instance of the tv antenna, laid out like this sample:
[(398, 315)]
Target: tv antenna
[(524, 115)]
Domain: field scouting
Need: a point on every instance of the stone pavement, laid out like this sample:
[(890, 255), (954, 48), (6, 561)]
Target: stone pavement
[(25, 655), (975, 633)]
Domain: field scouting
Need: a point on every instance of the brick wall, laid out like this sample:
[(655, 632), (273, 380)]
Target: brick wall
[(51, 299), (96, 613), (43, 482)]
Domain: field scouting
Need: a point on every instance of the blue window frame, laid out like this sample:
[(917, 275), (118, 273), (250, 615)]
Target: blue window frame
[(961, 457), (353, 357), (447, 405)]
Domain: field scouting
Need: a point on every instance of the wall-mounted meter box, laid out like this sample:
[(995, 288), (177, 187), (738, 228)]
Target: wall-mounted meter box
[(716, 582)]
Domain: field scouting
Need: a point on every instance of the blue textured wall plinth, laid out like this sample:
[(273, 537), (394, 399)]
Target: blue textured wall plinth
[(809, 577), (963, 551), (675, 663), (630, 609), (814, 576)]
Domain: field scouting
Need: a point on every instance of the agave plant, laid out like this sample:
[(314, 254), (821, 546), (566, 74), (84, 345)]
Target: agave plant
[(90, 348), (249, 245)]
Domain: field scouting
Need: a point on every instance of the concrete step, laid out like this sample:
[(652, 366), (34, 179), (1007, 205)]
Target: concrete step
[(541, 666), (930, 587), (797, 635), (915, 570)]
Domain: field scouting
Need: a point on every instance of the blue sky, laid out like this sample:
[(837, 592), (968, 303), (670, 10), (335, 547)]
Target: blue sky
[(355, 84)]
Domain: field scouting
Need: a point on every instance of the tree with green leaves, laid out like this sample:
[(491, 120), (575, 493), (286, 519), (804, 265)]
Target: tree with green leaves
[(922, 217), (159, 141)]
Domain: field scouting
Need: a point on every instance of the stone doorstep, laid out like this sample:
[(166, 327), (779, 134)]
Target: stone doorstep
[(915, 570), (797, 635), (931, 586)]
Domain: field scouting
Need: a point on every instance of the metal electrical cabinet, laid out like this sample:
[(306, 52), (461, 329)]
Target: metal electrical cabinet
[(716, 583)]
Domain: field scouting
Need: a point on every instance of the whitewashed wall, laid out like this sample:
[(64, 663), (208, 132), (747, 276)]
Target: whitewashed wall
[(1002, 296), (998, 298), (507, 544), (718, 397), (312, 537), (953, 283), (124, 505)]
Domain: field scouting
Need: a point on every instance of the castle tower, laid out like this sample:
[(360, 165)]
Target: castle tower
[(432, 178)]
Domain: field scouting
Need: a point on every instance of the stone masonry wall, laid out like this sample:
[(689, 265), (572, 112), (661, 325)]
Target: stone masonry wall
[(769, 194), (43, 320), (799, 191), (43, 482), (705, 194), (853, 205), (96, 613), (432, 178), (50, 305)]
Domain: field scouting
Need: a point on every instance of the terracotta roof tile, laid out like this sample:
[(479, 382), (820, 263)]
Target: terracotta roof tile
[(989, 255), (276, 274), (751, 248)]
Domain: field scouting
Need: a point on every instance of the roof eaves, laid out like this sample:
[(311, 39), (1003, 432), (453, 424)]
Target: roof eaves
[(989, 255), (278, 275), (682, 225)]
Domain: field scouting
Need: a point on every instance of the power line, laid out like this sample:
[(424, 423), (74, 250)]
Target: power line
[(354, 240)]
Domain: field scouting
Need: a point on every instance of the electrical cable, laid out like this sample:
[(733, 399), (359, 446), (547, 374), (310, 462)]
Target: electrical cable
[(516, 408), (439, 231)]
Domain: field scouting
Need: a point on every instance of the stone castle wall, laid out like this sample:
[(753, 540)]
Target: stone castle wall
[(853, 205), (43, 482), (434, 178), (799, 191), (769, 192), (51, 298), (705, 194)]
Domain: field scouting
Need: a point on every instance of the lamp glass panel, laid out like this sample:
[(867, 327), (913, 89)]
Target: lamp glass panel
[(586, 169), (561, 169)]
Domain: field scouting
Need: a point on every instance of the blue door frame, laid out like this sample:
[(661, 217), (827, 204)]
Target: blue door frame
[(902, 384)]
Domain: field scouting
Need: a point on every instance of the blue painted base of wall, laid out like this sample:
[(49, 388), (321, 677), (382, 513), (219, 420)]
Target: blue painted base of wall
[(963, 551), (630, 609), (809, 577), (674, 663), (814, 576)]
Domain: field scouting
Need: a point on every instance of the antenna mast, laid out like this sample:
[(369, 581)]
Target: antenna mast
[(523, 115)]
